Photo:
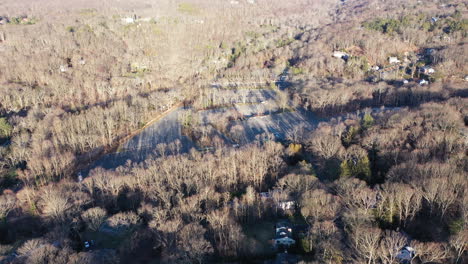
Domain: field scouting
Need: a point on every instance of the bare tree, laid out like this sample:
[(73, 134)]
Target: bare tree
[(30, 245), (459, 243), (429, 252), (366, 243), (390, 245), (7, 203), (94, 217), (318, 205), (193, 244), (325, 143), (54, 204)]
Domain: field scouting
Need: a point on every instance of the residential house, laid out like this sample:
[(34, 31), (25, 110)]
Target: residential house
[(277, 198), (340, 55), (393, 60), (283, 235), (426, 70), (286, 205), (423, 82), (129, 20), (405, 255)]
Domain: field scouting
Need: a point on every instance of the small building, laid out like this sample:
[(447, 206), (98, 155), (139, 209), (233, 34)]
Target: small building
[(393, 60), (426, 70), (340, 55), (375, 68), (286, 205), (128, 20), (423, 82), (283, 235), (405, 255)]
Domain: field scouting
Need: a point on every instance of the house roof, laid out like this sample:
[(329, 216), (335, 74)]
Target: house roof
[(283, 230), (406, 253)]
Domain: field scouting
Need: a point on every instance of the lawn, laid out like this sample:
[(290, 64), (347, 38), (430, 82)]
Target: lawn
[(260, 236)]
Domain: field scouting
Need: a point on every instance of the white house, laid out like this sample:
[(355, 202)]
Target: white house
[(423, 82), (426, 70), (286, 205), (340, 55), (393, 60), (128, 20)]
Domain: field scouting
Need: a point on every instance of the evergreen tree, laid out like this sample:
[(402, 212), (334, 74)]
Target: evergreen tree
[(367, 121), (5, 128)]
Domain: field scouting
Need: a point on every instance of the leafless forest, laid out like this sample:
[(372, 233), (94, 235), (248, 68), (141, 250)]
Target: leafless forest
[(347, 119)]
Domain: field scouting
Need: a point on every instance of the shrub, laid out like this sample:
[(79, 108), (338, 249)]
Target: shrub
[(297, 70), (30, 245), (367, 121), (5, 128), (284, 42)]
